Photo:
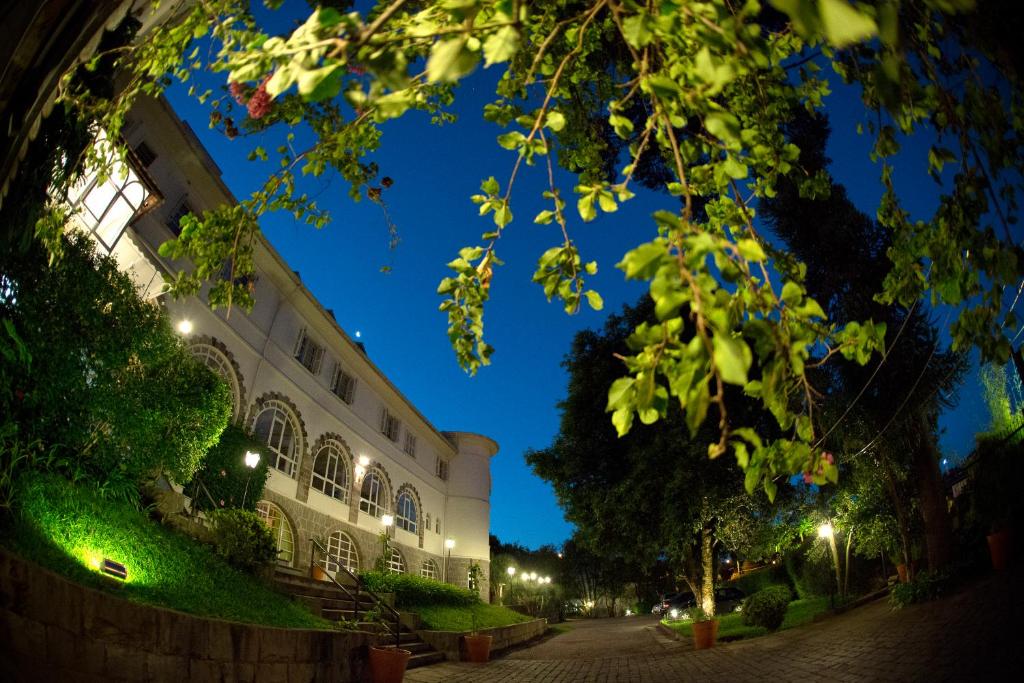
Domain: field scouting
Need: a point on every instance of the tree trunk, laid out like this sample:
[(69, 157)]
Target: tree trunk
[(937, 529), (901, 514), (707, 557)]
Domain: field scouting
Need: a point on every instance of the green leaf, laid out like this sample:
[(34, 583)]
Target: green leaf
[(770, 488), (320, 84), (607, 202), (544, 217), (642, 262), (450, 60), (751, 250), (555, 121), (723, 126), (623, 420), (595, 300), (619, 392), (585, 206), (501, 45), (844, 24), (732, 358), (635, 31), (792, 293)]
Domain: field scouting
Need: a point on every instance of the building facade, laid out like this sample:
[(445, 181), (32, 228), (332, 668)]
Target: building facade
[(348, 448)]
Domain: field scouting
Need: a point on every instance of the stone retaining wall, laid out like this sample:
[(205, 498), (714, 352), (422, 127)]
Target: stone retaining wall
[(503, 637), (55, 630)]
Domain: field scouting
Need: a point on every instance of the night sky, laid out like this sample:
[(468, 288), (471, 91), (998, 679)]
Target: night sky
[(435, 170)]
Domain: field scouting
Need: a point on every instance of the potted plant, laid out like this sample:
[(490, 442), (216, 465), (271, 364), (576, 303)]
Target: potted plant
[(477, 646), (387, 664), (705, 629), (994, 496)]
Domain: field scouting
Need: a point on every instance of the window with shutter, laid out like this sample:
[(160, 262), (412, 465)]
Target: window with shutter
[(343, 384), (308, 352)]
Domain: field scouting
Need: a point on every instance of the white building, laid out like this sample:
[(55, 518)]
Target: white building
[(348, 446)]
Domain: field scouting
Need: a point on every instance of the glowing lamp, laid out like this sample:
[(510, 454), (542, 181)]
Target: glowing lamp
[(387, 520), (674, 613), (114, 569), (184, 326), (825, 530), (449, 543), (252, 459), (511, 571)]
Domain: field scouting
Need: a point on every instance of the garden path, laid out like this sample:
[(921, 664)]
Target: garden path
[(969, 636)]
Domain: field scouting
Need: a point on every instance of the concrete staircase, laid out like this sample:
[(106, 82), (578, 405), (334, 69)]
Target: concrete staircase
[(330, 602)]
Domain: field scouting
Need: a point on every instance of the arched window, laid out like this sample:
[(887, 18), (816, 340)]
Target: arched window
[(429, 570), (406, 512), (330, 471), (341, 552), (373, 494), (276, 427), (396, 563), (213, 358), (278, 523)]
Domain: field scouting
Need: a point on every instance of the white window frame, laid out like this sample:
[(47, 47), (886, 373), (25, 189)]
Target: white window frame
[(309, 354), (375, 506), (341, 552), (343, 384), (429, 570), (336, 462), (390, 426), (284, 537), (396, 563), (406, 515), (286, 460)]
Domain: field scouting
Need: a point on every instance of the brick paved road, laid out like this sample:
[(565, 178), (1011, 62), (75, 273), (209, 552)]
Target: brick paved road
[(971, 636)]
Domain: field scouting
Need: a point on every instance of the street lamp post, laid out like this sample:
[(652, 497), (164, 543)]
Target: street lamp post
[(826, 531), (251, 460), (449, 543), (511, 571)]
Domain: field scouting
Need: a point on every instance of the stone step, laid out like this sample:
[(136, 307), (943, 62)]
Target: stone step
[(425, 659)]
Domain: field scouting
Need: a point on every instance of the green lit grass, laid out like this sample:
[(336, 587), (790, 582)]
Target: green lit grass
[(451, 618), (69, 529), (731, 625)]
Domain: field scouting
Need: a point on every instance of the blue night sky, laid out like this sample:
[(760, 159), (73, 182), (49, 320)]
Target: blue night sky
[(435, 170)]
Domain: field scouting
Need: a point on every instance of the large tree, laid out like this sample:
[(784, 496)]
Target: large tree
[(699, 92), (652, 493)]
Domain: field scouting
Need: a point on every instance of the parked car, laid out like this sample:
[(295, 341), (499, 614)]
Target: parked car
[(728, 599), (677, 601)]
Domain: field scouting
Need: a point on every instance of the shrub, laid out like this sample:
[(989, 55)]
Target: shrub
[(109, 383), (759, 579), (924, 586), (416, 590), (767, 608), (225, 475), (243, 539)]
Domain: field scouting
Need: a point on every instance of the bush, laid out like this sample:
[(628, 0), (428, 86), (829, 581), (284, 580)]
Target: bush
[(759, 579), (809, 569), (412, 590), (225, 475), (243, 540), (925, 586), (110, 384), (767, 608)]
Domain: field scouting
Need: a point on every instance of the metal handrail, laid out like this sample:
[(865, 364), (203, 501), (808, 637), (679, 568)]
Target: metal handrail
[(360, 588)]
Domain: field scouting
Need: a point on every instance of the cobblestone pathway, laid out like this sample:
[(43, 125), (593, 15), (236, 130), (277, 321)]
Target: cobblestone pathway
[(974, 635)]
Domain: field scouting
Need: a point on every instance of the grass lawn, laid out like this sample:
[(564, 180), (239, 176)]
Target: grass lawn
[(69, 529), (731, 625), (451, 618)]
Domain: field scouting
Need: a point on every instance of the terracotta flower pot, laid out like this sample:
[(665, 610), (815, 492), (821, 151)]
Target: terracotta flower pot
[(999, 545), (901, 569), (319, 574), (387, 664), (704, 634), (478, 648)]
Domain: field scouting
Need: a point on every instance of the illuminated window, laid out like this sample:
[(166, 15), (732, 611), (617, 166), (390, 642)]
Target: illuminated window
[(282, 530), (406, 512), (330, 472), (396, 563), (104, 209), (276, 427), (372, 494), (429, 570), (341, 552)]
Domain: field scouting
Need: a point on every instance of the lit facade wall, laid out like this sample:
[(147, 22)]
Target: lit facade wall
[(260, 350)]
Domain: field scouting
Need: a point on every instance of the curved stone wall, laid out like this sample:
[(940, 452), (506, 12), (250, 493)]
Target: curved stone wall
[(55, 630)]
